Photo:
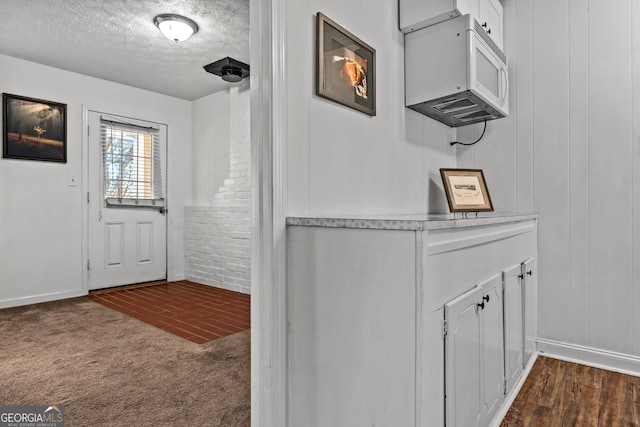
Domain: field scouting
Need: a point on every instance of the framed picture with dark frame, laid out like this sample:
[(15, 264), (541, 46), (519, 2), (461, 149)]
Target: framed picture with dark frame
[(466, 190), (346, 67), (33, 129)]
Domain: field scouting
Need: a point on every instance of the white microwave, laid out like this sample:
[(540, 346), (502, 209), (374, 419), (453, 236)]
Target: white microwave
[(455, 73)]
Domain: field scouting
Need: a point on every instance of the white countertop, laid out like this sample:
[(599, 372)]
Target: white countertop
[(412, 221)]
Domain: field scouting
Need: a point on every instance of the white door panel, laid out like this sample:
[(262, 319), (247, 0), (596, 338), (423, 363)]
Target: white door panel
[(114, 244), (513, 338), (529, 296), (492, 348), (126, 244), (144, 243), (463, 370)]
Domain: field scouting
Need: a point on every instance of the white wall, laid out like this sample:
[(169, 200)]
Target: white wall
[(211, 132), (572, 146), (218, 224), (41, 240), (343, 162)]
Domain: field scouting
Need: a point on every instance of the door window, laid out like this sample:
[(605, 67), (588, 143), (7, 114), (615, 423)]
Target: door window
[(132, 168)]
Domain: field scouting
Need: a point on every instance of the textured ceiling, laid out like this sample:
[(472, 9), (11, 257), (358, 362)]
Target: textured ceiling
[(117, 40)]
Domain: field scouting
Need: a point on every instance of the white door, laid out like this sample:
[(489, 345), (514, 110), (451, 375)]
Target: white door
[(127, 241), (492, 379), (463, 360), (513, 315), (529, 296), (490, 15)]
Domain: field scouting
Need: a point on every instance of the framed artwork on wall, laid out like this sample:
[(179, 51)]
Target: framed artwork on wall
[(346, 67), (466, 190), (33, 129)]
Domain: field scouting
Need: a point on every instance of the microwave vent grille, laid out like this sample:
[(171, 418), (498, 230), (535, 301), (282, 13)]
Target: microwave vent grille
[(461, 109)]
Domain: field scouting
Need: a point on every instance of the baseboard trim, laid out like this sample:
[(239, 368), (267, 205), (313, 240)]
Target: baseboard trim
[(506, 404), (611, 361), (35, 299)]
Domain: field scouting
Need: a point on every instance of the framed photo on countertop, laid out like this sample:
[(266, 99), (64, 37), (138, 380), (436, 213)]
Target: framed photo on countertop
[(466, 190)]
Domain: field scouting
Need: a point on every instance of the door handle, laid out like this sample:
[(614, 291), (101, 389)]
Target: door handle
[(480, 305)]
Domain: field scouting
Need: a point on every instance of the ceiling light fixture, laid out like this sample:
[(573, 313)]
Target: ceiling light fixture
[(175, 27)]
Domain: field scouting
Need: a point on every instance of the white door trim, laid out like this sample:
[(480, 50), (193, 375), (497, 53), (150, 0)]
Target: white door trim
[(268, 171), (86, 108)]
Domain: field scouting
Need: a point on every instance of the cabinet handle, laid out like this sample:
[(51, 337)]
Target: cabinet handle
[(484, 25), (485, 298), (489, 31), (530, 272), (480, 305), (520, 276)]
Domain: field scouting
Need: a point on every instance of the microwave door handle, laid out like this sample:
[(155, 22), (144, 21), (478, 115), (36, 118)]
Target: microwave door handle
[(505, 87)]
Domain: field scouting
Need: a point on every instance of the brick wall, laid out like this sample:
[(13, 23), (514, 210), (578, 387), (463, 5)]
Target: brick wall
[(218, 236)]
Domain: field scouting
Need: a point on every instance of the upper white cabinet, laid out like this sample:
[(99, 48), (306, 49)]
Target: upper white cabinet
[(417, 14), (491, 18)]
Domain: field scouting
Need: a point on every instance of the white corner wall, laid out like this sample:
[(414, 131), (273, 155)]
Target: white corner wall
[(211, 149), (218, 224), (41, 220), (341, 161), (570, 150)]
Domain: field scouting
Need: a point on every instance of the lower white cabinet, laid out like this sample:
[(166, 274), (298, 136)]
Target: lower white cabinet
[(488, 342), (474, 355), (367, 301)]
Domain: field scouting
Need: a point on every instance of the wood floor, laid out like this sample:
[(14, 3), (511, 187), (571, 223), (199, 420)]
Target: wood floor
[(563, 394)]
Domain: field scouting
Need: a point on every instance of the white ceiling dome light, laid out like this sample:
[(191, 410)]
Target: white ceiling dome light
[(175, 27)]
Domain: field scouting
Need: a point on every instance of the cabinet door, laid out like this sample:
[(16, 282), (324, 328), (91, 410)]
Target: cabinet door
[(464, 7), (513, 324), (492, 353), (490, 17), (463, 360), (530, 296)]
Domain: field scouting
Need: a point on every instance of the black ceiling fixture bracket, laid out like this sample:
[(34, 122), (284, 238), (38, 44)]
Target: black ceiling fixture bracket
[(229, 69)]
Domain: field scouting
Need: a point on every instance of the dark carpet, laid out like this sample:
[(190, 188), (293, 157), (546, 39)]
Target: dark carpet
[(108, 369)]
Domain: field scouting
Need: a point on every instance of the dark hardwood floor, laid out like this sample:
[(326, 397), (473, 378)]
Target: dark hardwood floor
[(563, 394)]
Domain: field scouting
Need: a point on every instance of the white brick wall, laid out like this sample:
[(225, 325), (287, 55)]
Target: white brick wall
[(218, 236)]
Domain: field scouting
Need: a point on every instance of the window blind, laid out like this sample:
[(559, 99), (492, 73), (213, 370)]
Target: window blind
[(132, 164)]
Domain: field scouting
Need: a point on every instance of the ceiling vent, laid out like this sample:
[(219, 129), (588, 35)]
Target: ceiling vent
[(229, 69)]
